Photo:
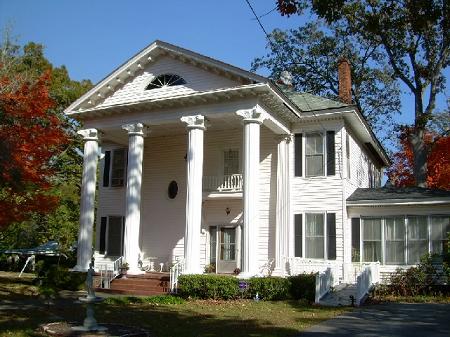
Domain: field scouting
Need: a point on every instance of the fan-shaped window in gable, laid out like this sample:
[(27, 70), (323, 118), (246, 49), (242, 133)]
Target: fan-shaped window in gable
[(165, 80)]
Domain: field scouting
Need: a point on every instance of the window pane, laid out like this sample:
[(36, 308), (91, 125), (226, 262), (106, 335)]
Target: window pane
[(314, 143), (314, 236), (231, 162), (440, 226), (371, 240), (314, 165), (395, 241), (227, 244), (118, 168), (417, 238)]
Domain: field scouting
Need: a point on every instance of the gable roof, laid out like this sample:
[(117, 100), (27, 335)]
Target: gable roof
[(149, 54), (397, 195)]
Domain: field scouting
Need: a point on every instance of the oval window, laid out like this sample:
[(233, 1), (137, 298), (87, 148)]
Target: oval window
[(173, 189)]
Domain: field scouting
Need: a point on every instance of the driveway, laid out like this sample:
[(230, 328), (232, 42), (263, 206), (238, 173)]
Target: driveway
[(394, 319)]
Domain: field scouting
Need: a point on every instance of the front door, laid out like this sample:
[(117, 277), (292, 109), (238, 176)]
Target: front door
[(226, 250)]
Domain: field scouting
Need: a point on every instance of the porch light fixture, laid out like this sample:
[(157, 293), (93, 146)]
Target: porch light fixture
[(227, 210)]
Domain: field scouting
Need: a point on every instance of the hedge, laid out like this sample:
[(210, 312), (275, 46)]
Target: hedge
[(227, 287)]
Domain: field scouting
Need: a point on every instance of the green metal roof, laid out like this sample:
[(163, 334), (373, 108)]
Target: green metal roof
[(309, 102)]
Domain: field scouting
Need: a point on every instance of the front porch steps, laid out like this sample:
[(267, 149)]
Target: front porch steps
[(148, 284), (340, 296)]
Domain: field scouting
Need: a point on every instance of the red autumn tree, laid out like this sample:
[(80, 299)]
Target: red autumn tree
[(438, 162), (30, 136)]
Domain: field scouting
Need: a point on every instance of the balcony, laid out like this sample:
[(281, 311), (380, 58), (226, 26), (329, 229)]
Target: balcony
[(231, 183)]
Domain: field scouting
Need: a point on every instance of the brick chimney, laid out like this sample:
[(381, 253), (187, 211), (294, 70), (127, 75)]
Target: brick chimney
[(345, 81)]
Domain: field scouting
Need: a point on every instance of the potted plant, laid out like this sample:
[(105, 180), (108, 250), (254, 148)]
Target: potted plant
[(123, 269)]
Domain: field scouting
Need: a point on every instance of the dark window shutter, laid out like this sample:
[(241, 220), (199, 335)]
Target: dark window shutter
[(331, 236), (298, 235), (331, 164), (123, 233), (298, 154), (106, 168), (356, 233), (102, 246)]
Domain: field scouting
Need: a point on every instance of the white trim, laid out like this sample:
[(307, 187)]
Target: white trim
[(393, 202)]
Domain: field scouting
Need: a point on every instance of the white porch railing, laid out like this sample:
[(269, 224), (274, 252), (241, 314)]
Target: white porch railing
[(108, 272), (230, 183), (324, 282), (364, 282), (299, 265), (175, 271)]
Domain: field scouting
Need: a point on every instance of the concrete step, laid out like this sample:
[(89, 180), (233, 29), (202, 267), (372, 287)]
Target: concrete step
[(340, 296)]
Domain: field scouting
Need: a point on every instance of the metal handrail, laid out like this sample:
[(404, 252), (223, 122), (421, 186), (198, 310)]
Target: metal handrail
[(175, 271)]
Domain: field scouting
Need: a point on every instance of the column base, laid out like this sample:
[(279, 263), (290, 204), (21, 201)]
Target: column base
[(278, 272), (249, 274), (135, 271), (79, 268)]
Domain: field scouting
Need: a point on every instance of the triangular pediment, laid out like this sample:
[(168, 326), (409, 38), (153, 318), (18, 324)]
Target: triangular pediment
[(127, 84)]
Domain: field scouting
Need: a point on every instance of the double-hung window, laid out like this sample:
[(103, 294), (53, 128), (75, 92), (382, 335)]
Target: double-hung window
[(315, 238), (230, 162), (314, 156), (394, 230), (417, 238), (115, 168), (371, 240), (440, 226), (315, 235)]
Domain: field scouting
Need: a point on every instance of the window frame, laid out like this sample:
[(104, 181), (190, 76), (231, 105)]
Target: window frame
[(325, 234), (235, 149), (406, 218), (324, 153), (157, 77), (111, 168)]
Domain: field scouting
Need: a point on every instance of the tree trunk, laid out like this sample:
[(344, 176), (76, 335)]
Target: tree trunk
[(420, 152)]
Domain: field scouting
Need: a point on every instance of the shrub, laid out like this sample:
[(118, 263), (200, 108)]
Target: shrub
[(269, 288), (303, 286), (208, 286), (227, 287), (59, 277)]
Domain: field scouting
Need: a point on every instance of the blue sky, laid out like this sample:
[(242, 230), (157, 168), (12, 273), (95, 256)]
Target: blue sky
[(93, 37)]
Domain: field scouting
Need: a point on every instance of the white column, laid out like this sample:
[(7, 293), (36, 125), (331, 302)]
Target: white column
[(131, 249), (87, 202), (252, 119), (196, 127), (283, 212)]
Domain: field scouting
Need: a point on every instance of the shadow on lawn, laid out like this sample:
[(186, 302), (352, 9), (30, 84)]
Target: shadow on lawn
[(161, 321)]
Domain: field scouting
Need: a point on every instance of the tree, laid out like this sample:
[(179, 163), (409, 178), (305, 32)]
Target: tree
[(27, 64), (414, 38), (311, 55), (401, 173), (29, 137)]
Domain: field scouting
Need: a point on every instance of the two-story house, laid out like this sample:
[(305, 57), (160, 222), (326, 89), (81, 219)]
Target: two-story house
[(204, 163)]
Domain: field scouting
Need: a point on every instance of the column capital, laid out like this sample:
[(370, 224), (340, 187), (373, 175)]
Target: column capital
[(89, 134), (194, 122), (137, 129), (253, 115), (284, 138)]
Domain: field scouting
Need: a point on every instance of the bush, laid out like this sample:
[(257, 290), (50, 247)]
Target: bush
[(227, 287), (208, 286), (269, 288), (303, 286), (59, 278)]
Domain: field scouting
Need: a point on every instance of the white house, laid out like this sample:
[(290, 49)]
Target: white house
[(205, 163)]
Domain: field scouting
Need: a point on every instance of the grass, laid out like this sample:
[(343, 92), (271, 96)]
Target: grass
[(164, 316)]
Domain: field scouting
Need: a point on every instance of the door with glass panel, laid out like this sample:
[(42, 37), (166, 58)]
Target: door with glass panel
[(224, 248)]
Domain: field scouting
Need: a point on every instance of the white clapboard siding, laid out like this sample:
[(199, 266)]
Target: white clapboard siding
[(320, 194), (196, 80)]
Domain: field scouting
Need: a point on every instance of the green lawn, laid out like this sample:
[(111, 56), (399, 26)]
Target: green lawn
[(191, 318)]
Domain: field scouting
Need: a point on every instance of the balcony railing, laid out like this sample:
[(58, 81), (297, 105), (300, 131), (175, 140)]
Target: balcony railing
[(230, 183)]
